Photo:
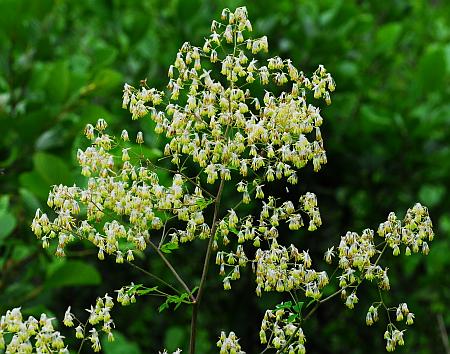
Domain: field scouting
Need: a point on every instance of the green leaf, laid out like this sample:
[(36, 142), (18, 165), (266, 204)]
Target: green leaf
[(141, 289), (21, 252), (174, 299), (169, 247), (7, 224), (40, 75), (432, 69), (51, 139), (4, 203), (11, 15), (233, 230), (51, 168), (298, 307), (146, 290), (292, 317), (284, 305), (148, 153), (3, 84), (134, 288), (73, 273), (175, 337), (387, 37), (374, 118), (104, 54), (437, 260), (120, 345), (58, 82), (447, 57), (347, 69), (444, 224), (431, 195), (163, 306), (91, 113), (34, 183), (107, 80), (203, 203), (37, 310)]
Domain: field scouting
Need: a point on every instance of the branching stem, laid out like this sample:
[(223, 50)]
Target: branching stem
[(172, 269), (318, 303), (201, 288), (153, 276)]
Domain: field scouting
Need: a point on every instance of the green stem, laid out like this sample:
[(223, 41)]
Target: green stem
[(217, 200), (84, 336), (289, 341), (201, 288), (172, 269), (153, 276)]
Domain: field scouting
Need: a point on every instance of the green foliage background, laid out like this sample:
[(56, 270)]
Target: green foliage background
[(63, 64)]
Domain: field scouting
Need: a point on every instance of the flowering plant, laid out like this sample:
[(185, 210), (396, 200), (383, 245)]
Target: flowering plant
[(215, 120)]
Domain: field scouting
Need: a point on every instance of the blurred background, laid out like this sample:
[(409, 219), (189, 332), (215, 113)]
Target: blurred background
[(387, 133)]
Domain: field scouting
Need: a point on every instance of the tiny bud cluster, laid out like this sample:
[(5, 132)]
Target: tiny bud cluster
[(229, 344), (393, 338), (413, 233), (372, 315), (100, 314), (126, 295), (393, 335), (279, 331), (178, 351)]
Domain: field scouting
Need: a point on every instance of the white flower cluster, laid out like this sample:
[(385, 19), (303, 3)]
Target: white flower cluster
[(30, 335), (98, 314), (356, 252), (356, 259), (279, 331), (285, 269), (178, 351), (229, 344), (413, 233), (278, 268), (393, 335), (223, 127), (212, 116), (269, 219), (118, 190), (126, 295), (393, 338)]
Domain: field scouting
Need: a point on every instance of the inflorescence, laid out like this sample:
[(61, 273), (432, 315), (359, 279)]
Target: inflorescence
[(214, 118)]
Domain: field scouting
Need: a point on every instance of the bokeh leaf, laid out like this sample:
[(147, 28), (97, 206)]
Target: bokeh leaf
[(174, 338), (34, 183), (120, 345), (73, 273), (7, 224), (387, 37), (58, 82), (431, 195), (107, 80), (51, 168), (432, 69)]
